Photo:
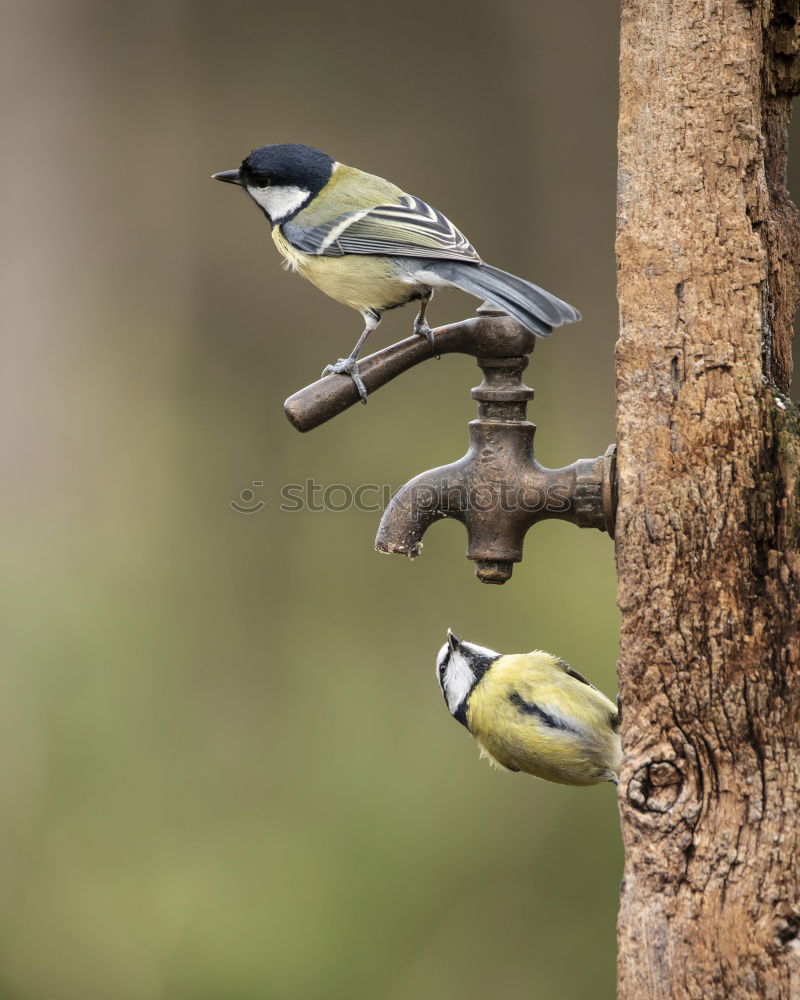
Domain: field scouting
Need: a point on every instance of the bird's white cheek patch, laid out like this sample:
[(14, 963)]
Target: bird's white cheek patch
[(279, 201), (458, 681)]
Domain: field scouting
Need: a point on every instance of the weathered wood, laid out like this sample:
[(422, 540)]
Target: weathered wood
[(708, 528)]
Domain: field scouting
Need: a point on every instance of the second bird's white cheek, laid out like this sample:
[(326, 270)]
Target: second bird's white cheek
[(458, 681), (279, 201)]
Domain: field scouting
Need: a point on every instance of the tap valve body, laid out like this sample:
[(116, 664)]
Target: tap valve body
[(498, 490)]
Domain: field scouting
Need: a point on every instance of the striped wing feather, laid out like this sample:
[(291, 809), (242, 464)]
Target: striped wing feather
[(410, 228)]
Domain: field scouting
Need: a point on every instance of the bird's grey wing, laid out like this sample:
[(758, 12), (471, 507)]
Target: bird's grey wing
[(408, 228)]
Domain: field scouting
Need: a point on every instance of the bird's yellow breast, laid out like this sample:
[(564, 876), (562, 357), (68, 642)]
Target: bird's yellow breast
[(585, 749), (359, 281)]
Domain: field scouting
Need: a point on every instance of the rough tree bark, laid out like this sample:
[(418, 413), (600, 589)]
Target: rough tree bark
[(708, 527)]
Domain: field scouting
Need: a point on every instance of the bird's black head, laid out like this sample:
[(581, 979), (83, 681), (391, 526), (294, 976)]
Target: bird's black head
[(287, 164), (282, 179)]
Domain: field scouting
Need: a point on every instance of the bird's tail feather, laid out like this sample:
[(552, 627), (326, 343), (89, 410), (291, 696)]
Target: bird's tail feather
[(536, 309)]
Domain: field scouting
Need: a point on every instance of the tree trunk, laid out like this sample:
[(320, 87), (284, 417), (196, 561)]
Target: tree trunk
[(708, 525)]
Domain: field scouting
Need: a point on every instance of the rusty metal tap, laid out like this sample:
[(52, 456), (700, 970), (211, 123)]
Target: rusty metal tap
[(498, 490)]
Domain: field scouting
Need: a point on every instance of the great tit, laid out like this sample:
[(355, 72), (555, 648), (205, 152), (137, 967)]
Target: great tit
[(531, 712), (367, 244)]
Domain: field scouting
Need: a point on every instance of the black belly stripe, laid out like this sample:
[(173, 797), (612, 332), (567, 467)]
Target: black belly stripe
[(528, 708)]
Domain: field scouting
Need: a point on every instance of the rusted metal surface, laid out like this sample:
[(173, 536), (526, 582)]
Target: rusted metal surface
[(489, 334), (498, 490)]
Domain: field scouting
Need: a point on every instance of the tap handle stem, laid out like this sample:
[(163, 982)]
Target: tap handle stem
[(490, 334)]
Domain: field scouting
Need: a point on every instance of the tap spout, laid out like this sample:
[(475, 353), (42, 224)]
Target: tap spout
[(424, 500), (498, 491)]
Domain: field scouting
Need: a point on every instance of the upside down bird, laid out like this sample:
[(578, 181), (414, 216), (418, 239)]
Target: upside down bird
[(365, 243), (531, 712)]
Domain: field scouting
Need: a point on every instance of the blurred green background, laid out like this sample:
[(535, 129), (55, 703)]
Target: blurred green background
[(226, 768)]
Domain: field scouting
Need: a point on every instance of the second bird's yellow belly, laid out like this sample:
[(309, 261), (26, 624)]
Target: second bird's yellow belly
[(515, 741), (560, 760), (359, 281)]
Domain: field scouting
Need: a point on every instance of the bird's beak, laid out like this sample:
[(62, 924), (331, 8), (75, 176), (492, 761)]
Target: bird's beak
[(452, 640), (228, 176)]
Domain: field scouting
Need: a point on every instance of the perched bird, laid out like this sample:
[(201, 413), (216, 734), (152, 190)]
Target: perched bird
[(531, 712), (367, 244)]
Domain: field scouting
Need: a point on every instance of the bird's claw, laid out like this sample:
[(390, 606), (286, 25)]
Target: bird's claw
[(423, 330), (348, 366)]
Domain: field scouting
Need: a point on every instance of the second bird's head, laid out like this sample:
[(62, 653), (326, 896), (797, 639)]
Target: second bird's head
[(460, 666), (282, 179)]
